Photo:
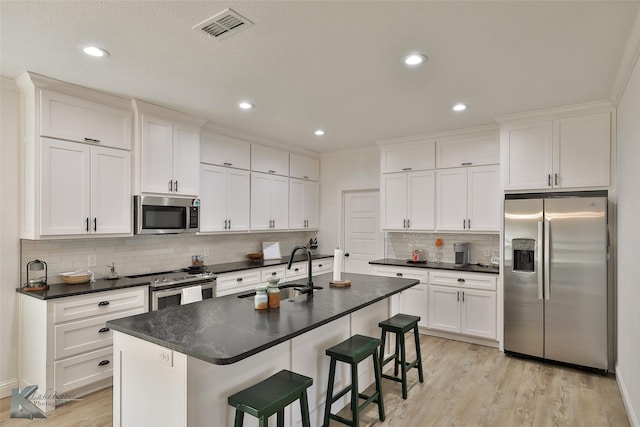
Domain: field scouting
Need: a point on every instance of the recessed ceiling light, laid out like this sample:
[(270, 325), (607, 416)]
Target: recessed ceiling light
[(415, 59), (94, 51), (319, 132), (246, 105), (459, 107)]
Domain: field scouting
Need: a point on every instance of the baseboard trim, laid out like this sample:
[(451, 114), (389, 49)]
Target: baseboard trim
[(633, 418), (458, 337), (6, 386)]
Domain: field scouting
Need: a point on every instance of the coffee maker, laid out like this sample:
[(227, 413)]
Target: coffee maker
[(461, 250)]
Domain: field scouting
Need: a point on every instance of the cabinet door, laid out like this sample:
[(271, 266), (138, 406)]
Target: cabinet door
[(483, 203), (421, 191), (280, 202), (110, 191), (412, 157), (312, 204), (451, 199), (296, 204), (260, 201), (64, 187), (468, 151), (478, 313), (225, 151), (67, 117), (238, 189), (186, 159), (415, 301), (444, 308), (394, 201), (581, 155), (157, 155), (269, 160), (304, 167), (213, 198), (526, 156)]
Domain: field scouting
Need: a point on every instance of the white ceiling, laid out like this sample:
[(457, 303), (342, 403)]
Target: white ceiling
[(334, 65)]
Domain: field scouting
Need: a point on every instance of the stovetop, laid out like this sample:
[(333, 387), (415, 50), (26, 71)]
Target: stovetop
[(174, 278)]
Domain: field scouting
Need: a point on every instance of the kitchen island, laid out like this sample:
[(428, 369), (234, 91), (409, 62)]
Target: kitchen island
[(177, 366)]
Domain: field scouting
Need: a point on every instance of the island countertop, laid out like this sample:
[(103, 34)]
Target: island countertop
[(227, 329)]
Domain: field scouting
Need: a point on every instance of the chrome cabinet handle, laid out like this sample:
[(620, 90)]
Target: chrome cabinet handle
[(95, 141), (104, 330), (103, 363)]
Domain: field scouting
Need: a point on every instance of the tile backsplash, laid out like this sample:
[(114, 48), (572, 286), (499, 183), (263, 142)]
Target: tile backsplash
[(481, 246), (148, 254)]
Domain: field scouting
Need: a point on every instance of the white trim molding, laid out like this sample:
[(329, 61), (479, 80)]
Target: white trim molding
[(626, 399)]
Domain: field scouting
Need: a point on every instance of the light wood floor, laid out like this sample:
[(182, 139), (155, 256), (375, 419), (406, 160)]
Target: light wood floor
[(465, 385)]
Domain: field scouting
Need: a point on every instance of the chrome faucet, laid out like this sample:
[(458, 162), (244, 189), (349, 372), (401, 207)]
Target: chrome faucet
[(309, 288)]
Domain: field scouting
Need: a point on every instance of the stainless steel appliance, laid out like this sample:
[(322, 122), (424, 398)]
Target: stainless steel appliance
[(461, 251), (165, 288), (556, 288), (166, 215)]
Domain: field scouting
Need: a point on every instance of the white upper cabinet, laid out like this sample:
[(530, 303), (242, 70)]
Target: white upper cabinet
[(76, 119), (269, 202), (469, 150), (224, 199), (468, 199), (224, 151), (303, 204), (168, 151), (412, 156), (561, 149), (407, 201), (269, 160), (304, 167)]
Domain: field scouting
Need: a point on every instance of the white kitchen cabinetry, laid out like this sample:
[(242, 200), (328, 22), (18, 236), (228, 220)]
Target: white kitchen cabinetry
[(475, 149), (269, 160), (237, 281), (279, 271), (64, 343), (225, 151), (81, 120), (418, 155), (415, 300), (84, 189), (297, 271), (303, 204), (269, 202), (224, 199), (304, 167), (407, 201), (168, 151), (463, 303), (322, 265), (570, 150), (468, 199)]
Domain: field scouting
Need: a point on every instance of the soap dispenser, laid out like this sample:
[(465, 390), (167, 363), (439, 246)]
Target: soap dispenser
[(113, 274)]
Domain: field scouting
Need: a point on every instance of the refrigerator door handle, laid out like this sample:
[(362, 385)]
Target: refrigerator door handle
[(547, 260), (539, 258)]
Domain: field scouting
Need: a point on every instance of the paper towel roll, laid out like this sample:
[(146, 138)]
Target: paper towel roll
[(192, 294), (338, 262)]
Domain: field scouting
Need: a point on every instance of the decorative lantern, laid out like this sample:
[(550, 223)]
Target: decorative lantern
[(36, 276)]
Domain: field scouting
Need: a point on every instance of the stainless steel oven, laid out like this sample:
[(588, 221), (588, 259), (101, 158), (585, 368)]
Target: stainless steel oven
[(166, 215), (165, 288), (163, 298)]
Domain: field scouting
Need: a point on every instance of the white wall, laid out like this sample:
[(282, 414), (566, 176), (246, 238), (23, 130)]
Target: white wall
[(628, 179), (340, 171), (9, 241)]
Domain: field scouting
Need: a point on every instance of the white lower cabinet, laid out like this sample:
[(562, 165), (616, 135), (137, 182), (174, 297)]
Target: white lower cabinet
[(415, 300), (64, 343), (463, 303), (237, 281)]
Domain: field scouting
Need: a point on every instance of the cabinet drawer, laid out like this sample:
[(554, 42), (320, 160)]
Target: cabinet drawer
[(407, 273), (320, 266), (276, 271), (74, 308), (67, 117), (86, 335), (298, 270), (465, 280), (82, 370), (229, 283)]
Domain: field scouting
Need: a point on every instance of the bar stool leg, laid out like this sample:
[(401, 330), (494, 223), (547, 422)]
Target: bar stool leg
[(377, 366), (383, 338), (327, 405), (281, 418), (355, 402), (403, 361), (396, 360), (239, 419), (418, 355), (304, 409), (263, 422)]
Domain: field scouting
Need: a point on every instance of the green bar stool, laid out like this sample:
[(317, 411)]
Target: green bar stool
[(271, 396), (399, 325), (352, 351)]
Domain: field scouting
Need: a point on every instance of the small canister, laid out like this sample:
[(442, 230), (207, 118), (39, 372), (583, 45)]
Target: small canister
[(260, 301), (273, 292)]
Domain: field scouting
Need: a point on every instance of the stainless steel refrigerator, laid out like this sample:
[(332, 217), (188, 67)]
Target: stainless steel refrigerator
[(556, 291)]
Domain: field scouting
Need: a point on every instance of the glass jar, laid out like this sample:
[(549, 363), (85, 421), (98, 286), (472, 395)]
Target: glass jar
[(273, 292), (260, 301)]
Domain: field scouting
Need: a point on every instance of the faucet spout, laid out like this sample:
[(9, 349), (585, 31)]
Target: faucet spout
[(309, 288)]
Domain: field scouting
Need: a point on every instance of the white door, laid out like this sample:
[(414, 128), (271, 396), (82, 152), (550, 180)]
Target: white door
[(478, 315), (110, 191), (362, 236), (444, 308), (186, 159)]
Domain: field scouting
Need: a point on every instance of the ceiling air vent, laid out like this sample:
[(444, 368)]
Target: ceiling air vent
[(224, 24)]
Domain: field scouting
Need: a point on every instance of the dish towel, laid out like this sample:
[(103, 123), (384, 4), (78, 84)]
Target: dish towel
[(192, 294)]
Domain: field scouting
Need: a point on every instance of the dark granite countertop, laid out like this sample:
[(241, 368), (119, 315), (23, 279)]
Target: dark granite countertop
[(471, 268), (228, 329)]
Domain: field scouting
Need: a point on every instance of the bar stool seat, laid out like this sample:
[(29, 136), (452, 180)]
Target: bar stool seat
[(271, 396), (400, 324), (353, 351)]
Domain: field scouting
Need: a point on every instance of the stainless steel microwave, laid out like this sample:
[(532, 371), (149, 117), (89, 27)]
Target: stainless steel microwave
[(166, 215)]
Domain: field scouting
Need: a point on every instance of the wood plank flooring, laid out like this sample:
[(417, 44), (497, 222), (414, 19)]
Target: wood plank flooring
[(465, 385)]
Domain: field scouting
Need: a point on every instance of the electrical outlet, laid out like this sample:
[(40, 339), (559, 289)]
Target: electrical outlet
[(91, 260), (165, 357)]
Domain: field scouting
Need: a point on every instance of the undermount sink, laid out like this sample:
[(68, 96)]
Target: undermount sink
[(287, 292)]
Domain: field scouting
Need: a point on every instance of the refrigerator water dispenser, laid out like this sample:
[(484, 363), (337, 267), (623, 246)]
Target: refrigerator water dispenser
[(523, 255)]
